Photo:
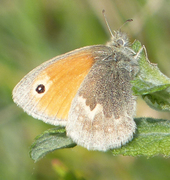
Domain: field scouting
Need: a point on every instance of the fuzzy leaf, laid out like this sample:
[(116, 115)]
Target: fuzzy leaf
[(152, 138), (49, 141), (151, 83)]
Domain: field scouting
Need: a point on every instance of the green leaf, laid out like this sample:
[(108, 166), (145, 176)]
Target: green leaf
[(159, 100), (150, 82), (152, 138), (49, 141)]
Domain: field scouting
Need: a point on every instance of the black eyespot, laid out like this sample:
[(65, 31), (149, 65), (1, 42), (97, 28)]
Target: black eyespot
[(40, 89)]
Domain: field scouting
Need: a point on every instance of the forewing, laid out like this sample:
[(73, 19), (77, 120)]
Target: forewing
[(62, 77)]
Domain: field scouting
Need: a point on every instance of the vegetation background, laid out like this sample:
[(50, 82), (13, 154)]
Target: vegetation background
[(33, 31)]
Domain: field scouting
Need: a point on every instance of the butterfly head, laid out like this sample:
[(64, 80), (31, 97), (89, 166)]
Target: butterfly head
[(119, 39)]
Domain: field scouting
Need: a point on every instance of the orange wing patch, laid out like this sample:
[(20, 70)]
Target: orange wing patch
[(65, 77)]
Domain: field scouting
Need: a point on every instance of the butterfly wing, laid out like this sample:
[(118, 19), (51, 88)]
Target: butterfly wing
[(60, 78), (101, 114)]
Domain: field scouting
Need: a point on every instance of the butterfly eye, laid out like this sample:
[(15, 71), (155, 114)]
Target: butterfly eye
[(120, 42), (40, 89)]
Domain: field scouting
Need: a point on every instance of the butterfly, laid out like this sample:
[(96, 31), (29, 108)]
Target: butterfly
[(87, 90)]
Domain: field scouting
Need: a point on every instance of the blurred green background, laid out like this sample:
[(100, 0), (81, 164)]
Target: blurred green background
[(33, 31)]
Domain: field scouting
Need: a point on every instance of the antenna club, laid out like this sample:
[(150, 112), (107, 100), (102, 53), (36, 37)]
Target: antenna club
[(103, 11)]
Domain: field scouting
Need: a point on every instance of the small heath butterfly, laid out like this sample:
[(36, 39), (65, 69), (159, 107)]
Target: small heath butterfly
[(88, 91)]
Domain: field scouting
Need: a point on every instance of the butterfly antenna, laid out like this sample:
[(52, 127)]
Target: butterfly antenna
[(128, 20), (107, 23)]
